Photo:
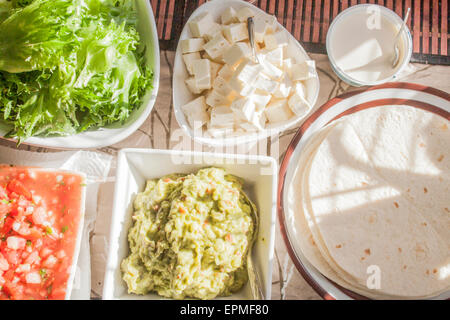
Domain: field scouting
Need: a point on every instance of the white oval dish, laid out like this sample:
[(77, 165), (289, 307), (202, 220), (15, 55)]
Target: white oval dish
[(115, 133), (181, 94)]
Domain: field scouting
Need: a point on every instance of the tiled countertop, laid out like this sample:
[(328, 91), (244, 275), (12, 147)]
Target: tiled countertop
[(157, 131)]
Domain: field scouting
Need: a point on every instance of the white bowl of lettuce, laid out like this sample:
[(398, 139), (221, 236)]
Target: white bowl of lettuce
[(76, 74)]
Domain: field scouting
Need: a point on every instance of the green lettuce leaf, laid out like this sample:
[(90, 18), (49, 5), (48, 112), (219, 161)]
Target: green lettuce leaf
[(68, 66)]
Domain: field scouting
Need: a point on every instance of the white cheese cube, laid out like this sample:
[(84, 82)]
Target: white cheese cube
[(244, 13), (243, 108), (192, 45), (235, 32), (195, 112), (265, 84), (260, 28), (303, 70), (247, 71), (241, 88), (222, 116), (270, 70), (214, 30), (297, 102), (201, 24), (216, 132), (226, 72), (215, 67), (201, 69), (229, 16), (274, 56), (272, 23), (217, 46), (221, 85), (261, 99), (287, 66), (284, 87), (192, 85), (275, 40), (205, 55), (278, 110), (236, 53), (257, 123), (188, 58), (214, 99)]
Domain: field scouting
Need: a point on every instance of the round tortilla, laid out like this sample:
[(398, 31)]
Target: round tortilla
[(374, 192)]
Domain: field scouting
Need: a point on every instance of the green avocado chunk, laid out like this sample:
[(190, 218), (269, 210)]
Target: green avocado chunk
[(190, 236)]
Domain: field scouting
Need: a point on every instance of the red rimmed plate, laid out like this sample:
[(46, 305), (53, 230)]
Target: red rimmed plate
[(388, 94)]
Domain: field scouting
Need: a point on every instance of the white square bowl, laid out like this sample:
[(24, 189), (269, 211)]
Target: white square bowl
[(136, 166)]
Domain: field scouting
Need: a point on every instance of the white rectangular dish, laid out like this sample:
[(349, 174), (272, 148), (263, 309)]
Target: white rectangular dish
[(136, 166)]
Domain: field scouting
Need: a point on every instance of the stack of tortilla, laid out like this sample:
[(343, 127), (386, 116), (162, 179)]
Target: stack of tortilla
[(371, 202)]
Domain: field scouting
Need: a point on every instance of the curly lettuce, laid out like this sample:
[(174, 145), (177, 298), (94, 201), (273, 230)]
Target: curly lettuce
[(69, 65)]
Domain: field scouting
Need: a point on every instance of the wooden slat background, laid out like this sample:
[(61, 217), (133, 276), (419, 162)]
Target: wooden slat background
[(308, 21)]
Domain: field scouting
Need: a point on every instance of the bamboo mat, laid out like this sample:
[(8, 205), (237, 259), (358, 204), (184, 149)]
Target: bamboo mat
[(308, 21)]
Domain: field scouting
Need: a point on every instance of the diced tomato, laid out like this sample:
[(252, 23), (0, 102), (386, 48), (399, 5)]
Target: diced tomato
[(4, 265), (35, 253), (4, 209), (39, 216), (12, 256), (3, 193), (18, 187), (33, 258)]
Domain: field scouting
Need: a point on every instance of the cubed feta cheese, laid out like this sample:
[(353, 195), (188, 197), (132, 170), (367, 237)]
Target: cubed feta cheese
[(215, 67), (287, 66), (257, 122), (217, 46), (236, 32), (243, 108), (247, 71), (272, 23), (244, 13), (297, 102), (222, 116), (303, 70), (261, 99), (217, 132), (278, 110), (192, 85), (275, 40), (265, 84), (213, 31), (201, 69), (229, 16), (215, 99), (195, 112), (222, 86), (188, 58), (284, 87), (271, 70), (226, 72), (192, 45), (236, 53), (274, 56), (242, 88), (201, 24), (260, 28)]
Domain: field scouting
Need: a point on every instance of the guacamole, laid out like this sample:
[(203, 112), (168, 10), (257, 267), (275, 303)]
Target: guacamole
[(190, 236)]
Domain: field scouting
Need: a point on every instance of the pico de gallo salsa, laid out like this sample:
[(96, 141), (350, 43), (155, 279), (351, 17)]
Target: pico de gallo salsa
[(40, 214)]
